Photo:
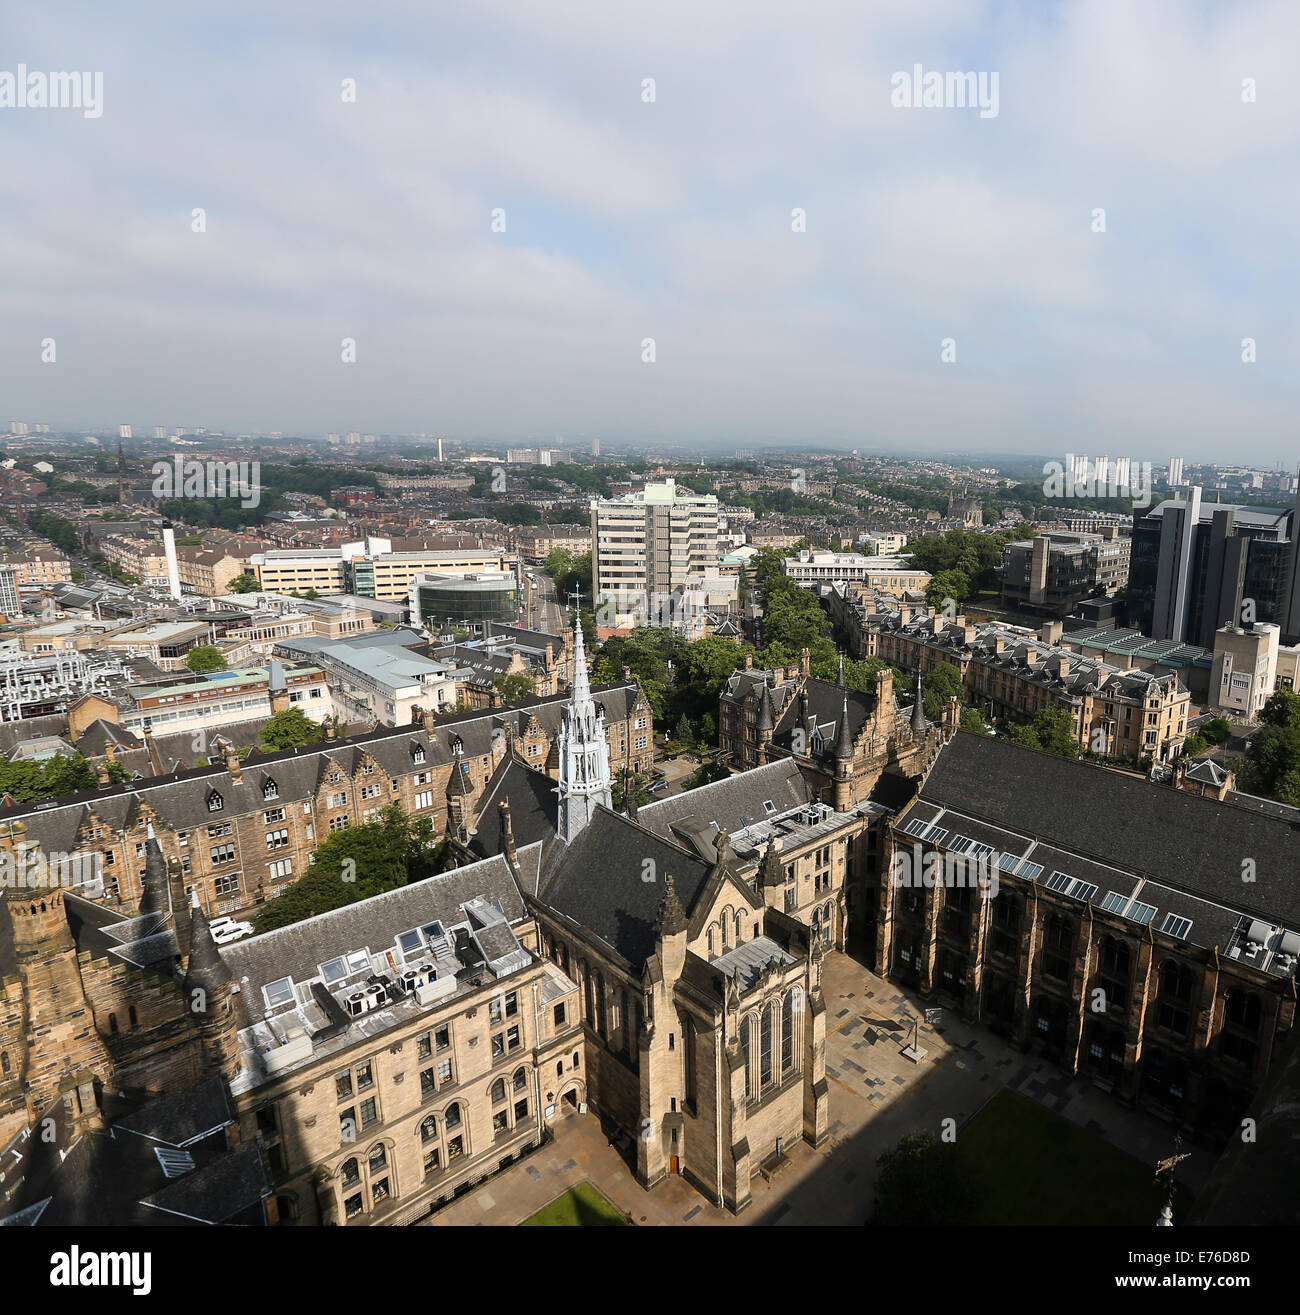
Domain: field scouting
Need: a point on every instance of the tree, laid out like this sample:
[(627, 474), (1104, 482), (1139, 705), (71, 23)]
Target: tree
[(705, 774), (1272, 765), (1216, 730), (28, 782), (639, 792), (356, 863), (515, 687), (923, 1181), (685, 732), (205, 657), (972, 721), (1282, 709), (953, 584), (289, 729), (940, 685), (245, 584), (1051, 730)]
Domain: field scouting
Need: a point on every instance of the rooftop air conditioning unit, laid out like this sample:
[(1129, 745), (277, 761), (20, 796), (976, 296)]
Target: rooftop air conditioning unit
[(359, 1003)]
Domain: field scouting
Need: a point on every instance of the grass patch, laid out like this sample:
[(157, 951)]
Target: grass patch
[(580, 1207), (1031, 1166)]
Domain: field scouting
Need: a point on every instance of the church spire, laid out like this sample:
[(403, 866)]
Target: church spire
[(918, 707), (584, 751)]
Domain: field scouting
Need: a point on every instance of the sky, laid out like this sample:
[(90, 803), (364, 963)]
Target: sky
[(671, 219)]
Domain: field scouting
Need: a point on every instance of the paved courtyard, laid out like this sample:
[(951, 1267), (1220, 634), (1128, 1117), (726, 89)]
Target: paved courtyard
[(877, 1097)]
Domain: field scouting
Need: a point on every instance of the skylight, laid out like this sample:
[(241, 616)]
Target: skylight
[(1176, 926)]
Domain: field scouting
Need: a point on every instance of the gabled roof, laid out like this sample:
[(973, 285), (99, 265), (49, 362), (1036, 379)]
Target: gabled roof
[(534, 807), (1184, 841), (732, 803), (611, 881)]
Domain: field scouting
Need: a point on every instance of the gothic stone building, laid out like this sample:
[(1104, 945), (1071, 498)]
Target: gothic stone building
[(387, 1055), (842, 740), (243, 830), (1142, 934)]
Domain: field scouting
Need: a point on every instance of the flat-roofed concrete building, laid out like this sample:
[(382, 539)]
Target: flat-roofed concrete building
[(1054, 571), (646, 544), (889, 574)]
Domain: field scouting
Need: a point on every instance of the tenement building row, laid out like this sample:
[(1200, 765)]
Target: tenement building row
[(1012, 674)]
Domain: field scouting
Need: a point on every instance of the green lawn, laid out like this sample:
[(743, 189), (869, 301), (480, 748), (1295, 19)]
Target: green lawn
[(1031, 1166), (580, 1207)]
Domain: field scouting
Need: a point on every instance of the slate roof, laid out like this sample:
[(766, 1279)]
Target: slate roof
[(598, 882), (1183, 841), (180, 798), (298, 950), (116, 1178), (733, 803), (534, 807)]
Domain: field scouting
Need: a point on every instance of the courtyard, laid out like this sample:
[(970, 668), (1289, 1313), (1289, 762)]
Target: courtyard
[(877, 1097)]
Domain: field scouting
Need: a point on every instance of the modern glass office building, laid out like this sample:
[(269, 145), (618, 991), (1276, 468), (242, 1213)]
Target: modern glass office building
[(468, 600)]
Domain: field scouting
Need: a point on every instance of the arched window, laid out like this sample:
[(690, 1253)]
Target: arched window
[(688, 1058), (600, 1005), (725, 924), (745, 1026), (452, 1117), (1174, 999), (521, 1079), (765, 1048), (378, 1156), (498, 1091), (713, 949), (429, 1129), (350, 1172), (112, 1022), (740, 929), (4, 1062), (131, 1014), (787, 1032)]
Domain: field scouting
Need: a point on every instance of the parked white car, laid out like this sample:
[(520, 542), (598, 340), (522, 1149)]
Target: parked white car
[(225, 930)]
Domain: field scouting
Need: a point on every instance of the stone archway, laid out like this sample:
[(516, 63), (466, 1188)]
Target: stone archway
[(570, 1098)]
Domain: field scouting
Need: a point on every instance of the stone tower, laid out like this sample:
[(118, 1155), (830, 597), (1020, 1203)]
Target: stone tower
[(59, 1032), (584, 751)]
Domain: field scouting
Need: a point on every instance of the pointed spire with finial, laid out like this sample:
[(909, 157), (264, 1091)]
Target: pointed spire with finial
[(671, 919), (153, 896), (766, 712), (844, 735), (918, 706), (840, 679), (204, 971)]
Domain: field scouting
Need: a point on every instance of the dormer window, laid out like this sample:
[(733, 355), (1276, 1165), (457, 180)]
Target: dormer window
[(270, 790), (215, 802), (417, 753)]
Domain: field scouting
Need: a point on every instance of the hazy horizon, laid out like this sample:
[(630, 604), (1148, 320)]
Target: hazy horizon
[(672, 219)]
